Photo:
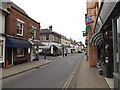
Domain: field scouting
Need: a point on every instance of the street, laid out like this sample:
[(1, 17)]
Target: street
[(58, 74)]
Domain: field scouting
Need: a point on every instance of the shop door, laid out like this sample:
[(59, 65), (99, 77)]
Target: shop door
[(9, 56)]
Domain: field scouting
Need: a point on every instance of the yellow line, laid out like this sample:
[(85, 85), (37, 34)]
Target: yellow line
[(70, 77)]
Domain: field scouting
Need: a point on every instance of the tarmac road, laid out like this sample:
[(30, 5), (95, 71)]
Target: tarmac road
[(54, 75)]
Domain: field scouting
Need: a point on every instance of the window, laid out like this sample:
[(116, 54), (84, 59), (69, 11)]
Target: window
[(33, 32), (53, 38), (20, 52), (20, 27), (118, 39), (1, 52), (47, 37)]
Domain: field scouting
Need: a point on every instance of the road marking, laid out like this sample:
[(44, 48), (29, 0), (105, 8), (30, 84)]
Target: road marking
[(67, 83)]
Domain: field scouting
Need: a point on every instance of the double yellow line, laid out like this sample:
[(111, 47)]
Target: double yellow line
[(67, 83)]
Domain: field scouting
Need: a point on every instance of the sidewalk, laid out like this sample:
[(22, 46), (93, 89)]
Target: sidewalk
[(89, 77), (16, 69)]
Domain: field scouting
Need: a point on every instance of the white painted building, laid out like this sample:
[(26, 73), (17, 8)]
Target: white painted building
[(3, 13)]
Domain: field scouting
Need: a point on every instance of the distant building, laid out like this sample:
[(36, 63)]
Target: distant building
[(51, 40), (48, 36)]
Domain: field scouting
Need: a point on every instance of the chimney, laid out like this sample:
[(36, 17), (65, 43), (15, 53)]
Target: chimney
[(50, 27)]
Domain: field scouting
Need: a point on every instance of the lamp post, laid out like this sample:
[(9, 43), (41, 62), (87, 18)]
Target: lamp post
[(63, 50)]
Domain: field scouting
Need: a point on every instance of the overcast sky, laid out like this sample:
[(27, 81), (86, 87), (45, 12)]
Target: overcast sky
[(66, 16)]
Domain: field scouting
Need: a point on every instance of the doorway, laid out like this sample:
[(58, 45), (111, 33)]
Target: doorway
[(10, 56)]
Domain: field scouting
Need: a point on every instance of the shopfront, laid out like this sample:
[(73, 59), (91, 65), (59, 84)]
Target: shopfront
[(2, 50), (17, 50), (110, 17), (116, 33)]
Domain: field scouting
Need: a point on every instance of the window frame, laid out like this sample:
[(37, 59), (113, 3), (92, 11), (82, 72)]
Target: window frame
[(22, 55), (118, 40), (46, 38), (35, 32), (1, 45), (20, 22)]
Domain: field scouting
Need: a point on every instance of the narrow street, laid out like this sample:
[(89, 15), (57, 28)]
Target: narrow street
[(54, 75)]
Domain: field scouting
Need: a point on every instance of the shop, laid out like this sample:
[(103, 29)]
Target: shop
[(34, 51), (116, 46), (2, 50), (17, 50), (109, 50)]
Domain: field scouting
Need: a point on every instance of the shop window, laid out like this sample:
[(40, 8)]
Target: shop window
[(118, 39), (47, 37), (20, 27), (20, 52)]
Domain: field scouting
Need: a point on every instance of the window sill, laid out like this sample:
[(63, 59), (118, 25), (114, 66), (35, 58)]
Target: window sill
[(19, 56), (20, 34)]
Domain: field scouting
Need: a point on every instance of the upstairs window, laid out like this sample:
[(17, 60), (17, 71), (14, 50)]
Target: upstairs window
[(20, 26), (47, 38), (33, 32)]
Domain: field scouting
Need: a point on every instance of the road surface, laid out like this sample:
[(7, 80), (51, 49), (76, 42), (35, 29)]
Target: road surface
[(54, 75)]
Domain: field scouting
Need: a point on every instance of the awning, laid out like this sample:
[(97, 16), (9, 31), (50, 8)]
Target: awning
[(36, 43), (97, 39), (44, 47), (17, 43)]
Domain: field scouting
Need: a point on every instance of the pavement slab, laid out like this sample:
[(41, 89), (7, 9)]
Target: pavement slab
[(16, 69), (89, 77)]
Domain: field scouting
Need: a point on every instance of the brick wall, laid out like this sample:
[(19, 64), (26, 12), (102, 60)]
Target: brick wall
[(92, 11), (11, 24)]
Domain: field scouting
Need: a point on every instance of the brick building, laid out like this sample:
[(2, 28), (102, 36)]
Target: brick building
[(106, 38), (92, 11), (18, 28)]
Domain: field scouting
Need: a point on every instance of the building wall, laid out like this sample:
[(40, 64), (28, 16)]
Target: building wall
[(92, 11), (11, 24), (11, 30), (17, 59), (56, 37), (65, 41), (2, 31)]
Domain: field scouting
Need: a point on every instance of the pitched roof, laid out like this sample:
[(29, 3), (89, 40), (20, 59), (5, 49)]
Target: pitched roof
[(4, 4), (44, 31), (3, 7), (18, 8)]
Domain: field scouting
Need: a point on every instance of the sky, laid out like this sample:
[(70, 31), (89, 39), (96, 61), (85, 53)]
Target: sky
[(66, 16)]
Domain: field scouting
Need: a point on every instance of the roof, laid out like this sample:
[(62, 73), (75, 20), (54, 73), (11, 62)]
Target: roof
[(3, 7), (18, 8), (4, 4), (47, 31)]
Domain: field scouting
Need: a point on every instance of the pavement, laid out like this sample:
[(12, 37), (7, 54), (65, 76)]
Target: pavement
[(89, 77), (20, 68)]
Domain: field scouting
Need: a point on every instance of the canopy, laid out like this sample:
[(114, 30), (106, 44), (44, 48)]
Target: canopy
[(97, 39), (17, 43)]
